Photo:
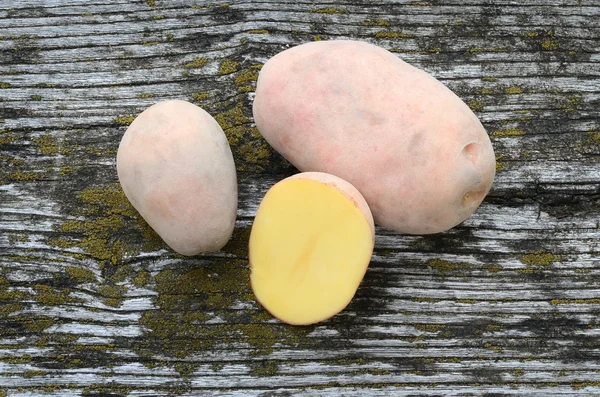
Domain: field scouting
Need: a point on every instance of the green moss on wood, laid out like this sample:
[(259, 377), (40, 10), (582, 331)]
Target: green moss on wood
[(586, 301), (429, 327), (499, 165), (376, 22), (330, 10), (113, 294), (196, 63), (144, 96), (190, 297), (508, 132), (81, 275), (5, 85), (514, 90), (228, 66), (47, 295), (444, 266), (24, 176), (570, 103), (264, 368), (124, 120), (476, 105), (393, 35), (246, 141), (38, 324), (258, 31), (65, 170), (540, 258), (47, 145), (112, 228), (151, 3), (549, 43), (33, 373), (200, 96), (141, 279)]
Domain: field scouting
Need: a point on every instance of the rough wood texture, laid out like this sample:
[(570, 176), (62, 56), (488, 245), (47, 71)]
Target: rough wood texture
[(92, 304)]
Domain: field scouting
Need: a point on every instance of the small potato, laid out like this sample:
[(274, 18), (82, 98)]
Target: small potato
[(310, 245), (415, 151), (176, 168)]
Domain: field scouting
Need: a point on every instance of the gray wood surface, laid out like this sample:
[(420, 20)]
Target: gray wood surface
[(93, 304)]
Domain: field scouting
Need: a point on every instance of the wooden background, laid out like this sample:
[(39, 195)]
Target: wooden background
[(93, 304)]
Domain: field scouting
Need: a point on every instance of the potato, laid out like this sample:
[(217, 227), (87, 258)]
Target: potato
[(310, 245), (416, 152), (176, 168)]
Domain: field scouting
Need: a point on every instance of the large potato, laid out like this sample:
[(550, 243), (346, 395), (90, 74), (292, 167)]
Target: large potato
[(177, 170), (415, 151)]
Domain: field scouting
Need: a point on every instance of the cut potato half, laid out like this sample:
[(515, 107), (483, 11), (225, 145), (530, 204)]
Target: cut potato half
[(310, 246)]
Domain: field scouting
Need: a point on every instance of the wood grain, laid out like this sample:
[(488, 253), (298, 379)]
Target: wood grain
[(93, 304)]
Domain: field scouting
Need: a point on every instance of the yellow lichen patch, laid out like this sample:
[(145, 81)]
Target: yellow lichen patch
[(376, 22), (144, 96), (592, 138), (199, 96), (24, 176), (151, 3), (190, 296), (443, 266), (141, 279), (330, 10), (196, 63), (113, 294), (65, 170), (47, 295), (475, 105), (509, 132), (540, 258), (111, 227), (244, 77), (228, 66), (587, 301), (549, 43), (258, 31), (124, 120), (81, 275), (393, 35), (233, 122), (5, 85), (514, 90), (7, 139), (33, 373), (47, 145), (570, 103)]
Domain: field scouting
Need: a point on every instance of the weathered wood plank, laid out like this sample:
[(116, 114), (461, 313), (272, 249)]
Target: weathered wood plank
[(91, 303)]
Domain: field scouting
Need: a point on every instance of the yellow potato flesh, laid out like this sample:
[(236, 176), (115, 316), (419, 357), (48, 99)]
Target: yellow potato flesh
[(309, 249)]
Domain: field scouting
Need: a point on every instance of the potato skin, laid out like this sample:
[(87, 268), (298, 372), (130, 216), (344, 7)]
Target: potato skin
[(415, 151), (176, 168)]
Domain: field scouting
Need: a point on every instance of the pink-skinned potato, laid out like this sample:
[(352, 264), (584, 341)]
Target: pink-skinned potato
[(413, 149), (176, 168)]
